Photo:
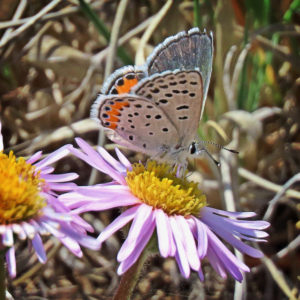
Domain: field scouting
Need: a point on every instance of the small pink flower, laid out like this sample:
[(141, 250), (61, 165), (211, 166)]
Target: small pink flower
[(29, 205), (158, 200)]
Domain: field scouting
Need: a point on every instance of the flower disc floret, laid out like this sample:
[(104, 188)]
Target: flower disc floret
[(157, 185), (20, 187)]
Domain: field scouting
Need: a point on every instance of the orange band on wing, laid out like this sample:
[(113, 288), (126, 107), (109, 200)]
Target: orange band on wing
[(112, 118), (128, 84), (114, 112), (110, 121), (112, 126), (119, 105)]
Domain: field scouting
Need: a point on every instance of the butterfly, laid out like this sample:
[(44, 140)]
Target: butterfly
[(156, 108)]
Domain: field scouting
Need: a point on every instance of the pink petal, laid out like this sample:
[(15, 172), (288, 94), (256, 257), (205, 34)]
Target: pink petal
[(72, 200), (223, 252), (110, 160), (71, 245), (188, 243), (106, 191), (117, 224), (47, 170), (11, 262), (8, 238), (241, 215), (19, 231), (141, 242), (202, 239), (249, 228), (95, 160), (181, 254), (226, 259), (53, 230), (242, 247), (39, 248), (53, 157), (200, 274), (106, 204), (164, 234), (60, 177), (142, 220), (124, 161), (36, 156), (216, 263), (79, 238), (66, 186)]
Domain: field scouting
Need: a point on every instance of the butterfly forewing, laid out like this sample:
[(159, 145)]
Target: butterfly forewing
[(180, 95), (136, 123), (184, 51)]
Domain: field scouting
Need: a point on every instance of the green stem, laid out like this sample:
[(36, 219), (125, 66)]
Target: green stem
[(2, 275), (130, 278), (196, 14)]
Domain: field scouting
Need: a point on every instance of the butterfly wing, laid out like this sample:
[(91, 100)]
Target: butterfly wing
[(135, 122), (179, 95), (122, 80), (184, 51)]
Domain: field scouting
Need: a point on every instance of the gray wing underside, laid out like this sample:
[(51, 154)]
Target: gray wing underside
[(184, 51), (142, 126), (179, 95)]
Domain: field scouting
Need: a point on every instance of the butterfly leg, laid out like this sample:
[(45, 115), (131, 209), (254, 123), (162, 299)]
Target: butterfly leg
[(203, 149)]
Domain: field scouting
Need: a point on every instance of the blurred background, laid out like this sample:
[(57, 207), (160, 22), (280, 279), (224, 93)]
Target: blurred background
[(54, 57)]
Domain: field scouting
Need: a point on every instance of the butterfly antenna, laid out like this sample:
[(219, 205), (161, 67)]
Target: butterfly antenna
[(218, 146)]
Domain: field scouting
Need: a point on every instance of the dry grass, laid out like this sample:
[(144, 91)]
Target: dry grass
[(52, 65)]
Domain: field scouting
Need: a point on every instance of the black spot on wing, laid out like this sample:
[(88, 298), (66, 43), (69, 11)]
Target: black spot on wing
[(181, 107)]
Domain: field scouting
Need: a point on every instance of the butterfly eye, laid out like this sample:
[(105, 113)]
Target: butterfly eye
[(192, 148)]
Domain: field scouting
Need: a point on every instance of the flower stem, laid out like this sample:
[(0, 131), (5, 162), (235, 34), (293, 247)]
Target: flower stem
[(2, 275), (130, 278)]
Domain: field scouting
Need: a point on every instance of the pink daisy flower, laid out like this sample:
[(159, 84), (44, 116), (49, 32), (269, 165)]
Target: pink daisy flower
[(159, 200), (29, 207)]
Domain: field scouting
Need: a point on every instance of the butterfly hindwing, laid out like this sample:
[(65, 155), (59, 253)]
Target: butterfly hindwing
[(122, 80), (136, 122), (180, 95)]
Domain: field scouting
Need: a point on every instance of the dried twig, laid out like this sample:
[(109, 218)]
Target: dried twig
[(60, 134), (18, 13), (266, 183), (228, 168), (113, 44), (278, 277), (281, 52), (109, 67), (230, 86), (38, 266), (66, 11), (99, 57), (274, 202), (30, 22), (139, 58), (293, 245), (238, 68), (83, 85), (227, 80)]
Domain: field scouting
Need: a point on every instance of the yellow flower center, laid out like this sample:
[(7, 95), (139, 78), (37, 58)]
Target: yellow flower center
[(157, 185), (20, 187)]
